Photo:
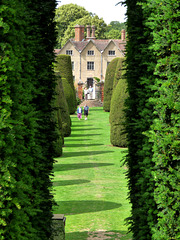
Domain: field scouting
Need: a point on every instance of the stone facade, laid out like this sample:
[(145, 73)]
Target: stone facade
[(90, 57)]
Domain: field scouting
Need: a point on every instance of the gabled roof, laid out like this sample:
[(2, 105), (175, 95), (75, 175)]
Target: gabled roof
[(100, 44)]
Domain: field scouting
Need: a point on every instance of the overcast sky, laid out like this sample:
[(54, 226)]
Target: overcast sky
[(103, 8)]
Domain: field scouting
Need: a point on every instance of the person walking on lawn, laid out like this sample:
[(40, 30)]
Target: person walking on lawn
[(86, 111), (79, 113)]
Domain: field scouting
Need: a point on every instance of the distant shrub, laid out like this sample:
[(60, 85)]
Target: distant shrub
[(64, 109), (117, 115), (108, 84), (64, 67), (69, 95)]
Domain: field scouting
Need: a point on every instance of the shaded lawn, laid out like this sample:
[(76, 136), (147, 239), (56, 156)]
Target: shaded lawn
[(90, 184)]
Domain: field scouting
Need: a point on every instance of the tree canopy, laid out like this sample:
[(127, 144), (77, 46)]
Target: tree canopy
[(69, 15)]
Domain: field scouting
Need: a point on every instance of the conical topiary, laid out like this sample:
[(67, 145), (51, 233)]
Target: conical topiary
[(117, 115), (68, 93), (63, 106), (64, 68), (108, 84)]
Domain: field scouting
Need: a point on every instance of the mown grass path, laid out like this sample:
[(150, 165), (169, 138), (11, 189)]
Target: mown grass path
[(90, 184)]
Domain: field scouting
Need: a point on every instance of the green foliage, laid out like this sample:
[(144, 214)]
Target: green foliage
[(27, 131), (68, 93), (118, 72), (139, 117), (164, 23), (63, 107), (64, 16), (64, 68), (117, 115), (108, 85), (86, 20), (153, 118), (114, 30)]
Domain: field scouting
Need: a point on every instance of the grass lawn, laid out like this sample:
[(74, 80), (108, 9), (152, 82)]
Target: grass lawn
[(89, 184)]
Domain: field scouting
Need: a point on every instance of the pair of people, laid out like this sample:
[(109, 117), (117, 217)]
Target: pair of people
[(86, 112)]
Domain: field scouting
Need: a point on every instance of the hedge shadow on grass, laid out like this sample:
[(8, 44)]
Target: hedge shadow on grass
[(82, 135), (76, 140), (75, 166), (84, 153), (83, 145), (84, 206), (88, 125), (85, 129), (70, 182), (111, 234)]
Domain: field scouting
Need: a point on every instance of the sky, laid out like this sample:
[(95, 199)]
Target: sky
[(103, 8)]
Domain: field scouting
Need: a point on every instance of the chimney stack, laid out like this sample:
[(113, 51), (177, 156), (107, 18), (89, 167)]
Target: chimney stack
[(88, 31), (93, 32), (123, 34), (79, 32)]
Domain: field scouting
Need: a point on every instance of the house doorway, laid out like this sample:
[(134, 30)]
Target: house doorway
[(90, 82)]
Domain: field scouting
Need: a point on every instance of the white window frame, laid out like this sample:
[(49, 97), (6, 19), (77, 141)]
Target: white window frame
[(111, 53), (90, 65), (69, 52), (90, 53)]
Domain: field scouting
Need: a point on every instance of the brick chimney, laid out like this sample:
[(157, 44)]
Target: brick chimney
[(88, 31), (79, 32), (123, 34), (93, 32)]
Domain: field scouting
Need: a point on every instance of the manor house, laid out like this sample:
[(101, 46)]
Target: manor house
[(90, 56)]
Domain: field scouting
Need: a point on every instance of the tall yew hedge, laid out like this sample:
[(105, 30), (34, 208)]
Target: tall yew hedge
[(153, 118), (27, 132), (108, 84), (64, 68)]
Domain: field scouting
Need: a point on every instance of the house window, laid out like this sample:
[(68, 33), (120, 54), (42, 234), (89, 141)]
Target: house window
[(90, 65), (72, 65), (108, 63), (90, 52), (111, 52), (69, 52)]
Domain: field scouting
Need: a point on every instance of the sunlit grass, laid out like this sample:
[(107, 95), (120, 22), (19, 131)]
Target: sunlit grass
[(90, 184)]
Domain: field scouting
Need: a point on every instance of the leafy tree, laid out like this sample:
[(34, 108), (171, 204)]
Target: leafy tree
[(65, 15), (114, 30), (86, 20)]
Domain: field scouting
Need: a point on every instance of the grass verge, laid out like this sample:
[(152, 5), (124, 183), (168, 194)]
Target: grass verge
[(89, 185)]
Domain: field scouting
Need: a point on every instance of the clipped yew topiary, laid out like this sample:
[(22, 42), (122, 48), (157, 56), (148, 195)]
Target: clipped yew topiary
[(63, 108), (68, 93), (108, 84), (118, 72), (27, 132), (64, 68), (117, 116)]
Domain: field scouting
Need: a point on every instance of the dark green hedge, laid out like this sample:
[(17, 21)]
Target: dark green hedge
[(117, 115), (139, 117), (118, 72), (69, 94), (164, 22), (63, 106), (108, 84), (153, 57), (27, 134), (64, 67)]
